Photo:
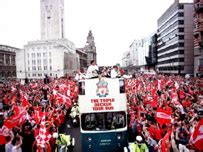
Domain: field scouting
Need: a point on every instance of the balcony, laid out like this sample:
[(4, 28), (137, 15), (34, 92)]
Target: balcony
[(199, 7)]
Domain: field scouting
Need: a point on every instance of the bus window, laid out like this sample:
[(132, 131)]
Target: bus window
[(103, 121), (122, 86), (82, 88)]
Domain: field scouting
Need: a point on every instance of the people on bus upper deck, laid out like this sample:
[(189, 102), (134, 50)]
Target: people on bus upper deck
[(92, 71), (79, 75), (114, 72), (120, 71)]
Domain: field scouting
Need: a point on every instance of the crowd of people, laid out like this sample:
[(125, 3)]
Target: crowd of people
[(163, 111), (33, 112)]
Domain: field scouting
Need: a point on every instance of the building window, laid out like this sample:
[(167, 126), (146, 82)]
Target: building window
[(38, 54), (39, 62), (181, 59), (181, 29), (181, 22), (49, 54), (181, 51), (33, 62), (34, 74), (181, 6), (50, 61), (44, 54), (12, 60), (181, 44), (28, 62), (180, 14), (50, 67), (28, 55), (28, 68), (45, 67), (28, 75), (34, 68), (181, 37), (201, 62), (39, 68)]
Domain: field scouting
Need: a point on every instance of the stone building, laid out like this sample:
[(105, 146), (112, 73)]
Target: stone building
[(90, 48), (7, 61), (53, 55), (82, 57), (198, 37)]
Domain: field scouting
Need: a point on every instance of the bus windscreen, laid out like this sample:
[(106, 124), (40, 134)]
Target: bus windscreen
[(103, 121)]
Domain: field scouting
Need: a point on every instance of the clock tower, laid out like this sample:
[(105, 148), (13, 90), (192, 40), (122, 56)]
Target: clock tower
[(52, 19)]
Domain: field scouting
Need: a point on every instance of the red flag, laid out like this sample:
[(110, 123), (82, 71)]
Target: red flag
[(165, 143), (163, 116), (43, 136), (181, 94), (4, 131), (197, 137), (18, 118), (64, 99), (24, 101), (33, 85)]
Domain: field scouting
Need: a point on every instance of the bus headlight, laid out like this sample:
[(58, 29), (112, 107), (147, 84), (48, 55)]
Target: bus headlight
[(89, 139), (118, 137)]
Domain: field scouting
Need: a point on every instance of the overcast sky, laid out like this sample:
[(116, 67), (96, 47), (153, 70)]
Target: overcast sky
[(114, 23)]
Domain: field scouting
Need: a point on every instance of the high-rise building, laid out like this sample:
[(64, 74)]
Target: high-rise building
[(7, 61), (53, 55), (152, 57), (138, 52), (126, 59), (134, 52), (175, 39), (52, 19), (198, 37)]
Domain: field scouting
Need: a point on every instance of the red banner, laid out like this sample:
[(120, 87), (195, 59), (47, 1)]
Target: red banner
[(163, 116), (197, 137)]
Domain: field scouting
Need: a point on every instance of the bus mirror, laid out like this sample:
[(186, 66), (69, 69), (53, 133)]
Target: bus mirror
[(122, 86), (82, 88)]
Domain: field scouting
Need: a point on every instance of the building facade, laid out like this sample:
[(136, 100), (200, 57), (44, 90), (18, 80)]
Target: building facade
[(134, 53), (126, 59), (8, 61), (87, 53), (52, 58), (138, 51), (175, 39), (152, 57), (53, 55), (198, 37), (90, 48), (83, 58)]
